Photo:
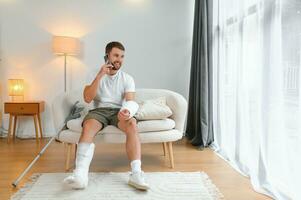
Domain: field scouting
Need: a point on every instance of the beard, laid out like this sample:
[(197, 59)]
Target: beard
[(116, 65)]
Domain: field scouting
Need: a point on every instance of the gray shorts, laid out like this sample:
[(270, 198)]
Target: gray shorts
[(105, 115)]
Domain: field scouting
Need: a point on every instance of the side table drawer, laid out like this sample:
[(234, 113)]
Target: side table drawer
[(21, 108)]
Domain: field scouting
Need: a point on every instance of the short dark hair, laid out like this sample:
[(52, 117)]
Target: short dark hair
[(113, 44)]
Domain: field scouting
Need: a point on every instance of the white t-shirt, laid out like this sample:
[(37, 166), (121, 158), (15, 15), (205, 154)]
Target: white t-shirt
[(111, 89)]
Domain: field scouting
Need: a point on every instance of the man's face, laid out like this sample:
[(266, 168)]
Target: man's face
[(116, 57)]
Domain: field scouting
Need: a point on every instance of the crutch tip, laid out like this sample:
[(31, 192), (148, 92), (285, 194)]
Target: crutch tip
[(14, 184)]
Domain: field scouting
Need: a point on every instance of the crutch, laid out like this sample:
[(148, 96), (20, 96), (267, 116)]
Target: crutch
[(16, 182)]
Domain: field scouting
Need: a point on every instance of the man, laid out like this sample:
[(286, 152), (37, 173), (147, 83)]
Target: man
[(114, 92)]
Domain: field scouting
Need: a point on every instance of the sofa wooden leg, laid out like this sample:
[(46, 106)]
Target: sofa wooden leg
[(164, 148), (67, 164), (170, 153), (75, 150)]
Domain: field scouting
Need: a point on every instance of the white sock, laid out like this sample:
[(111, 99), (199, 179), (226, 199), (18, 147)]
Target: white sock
[(136, 166)]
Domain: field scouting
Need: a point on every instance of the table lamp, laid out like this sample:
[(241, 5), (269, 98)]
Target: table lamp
[(16, 88), (65, 46)]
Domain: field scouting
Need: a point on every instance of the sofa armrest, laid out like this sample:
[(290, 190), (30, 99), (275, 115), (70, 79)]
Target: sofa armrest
[(178, 105), (61, 107), (175, 101)]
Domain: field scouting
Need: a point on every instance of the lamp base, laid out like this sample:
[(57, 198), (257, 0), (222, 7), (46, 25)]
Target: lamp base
[(15, 98)]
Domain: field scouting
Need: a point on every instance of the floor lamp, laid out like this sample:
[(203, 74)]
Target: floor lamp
[(65, 46)]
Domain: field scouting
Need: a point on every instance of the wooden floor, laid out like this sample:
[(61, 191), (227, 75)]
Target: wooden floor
[(14, 157)]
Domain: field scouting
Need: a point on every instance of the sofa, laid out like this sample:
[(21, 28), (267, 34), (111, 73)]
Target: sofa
[(165, 131)]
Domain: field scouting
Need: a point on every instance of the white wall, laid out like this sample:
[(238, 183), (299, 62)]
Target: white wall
[(157, 35), (1, 84)]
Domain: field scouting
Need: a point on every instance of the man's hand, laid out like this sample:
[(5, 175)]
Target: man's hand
[(105, 69), (123, 115)]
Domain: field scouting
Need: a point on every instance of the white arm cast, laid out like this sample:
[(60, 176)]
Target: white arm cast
[(131, 106)]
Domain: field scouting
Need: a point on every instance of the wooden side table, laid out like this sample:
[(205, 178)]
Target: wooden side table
[(24, 108)]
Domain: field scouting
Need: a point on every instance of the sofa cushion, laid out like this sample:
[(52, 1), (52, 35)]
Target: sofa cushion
[(147, 137), (153, 109), (143, 126)]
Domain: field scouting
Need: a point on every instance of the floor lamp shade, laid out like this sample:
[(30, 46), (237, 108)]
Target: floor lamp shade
[(63, 45)]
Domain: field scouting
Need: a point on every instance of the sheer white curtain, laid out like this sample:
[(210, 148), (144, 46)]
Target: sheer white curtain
[(257, 93)]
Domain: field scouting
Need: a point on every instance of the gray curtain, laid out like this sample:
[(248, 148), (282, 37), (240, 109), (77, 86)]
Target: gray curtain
[(199, 129)]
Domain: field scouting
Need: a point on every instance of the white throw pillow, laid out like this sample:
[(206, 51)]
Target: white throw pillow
[(153, 109)]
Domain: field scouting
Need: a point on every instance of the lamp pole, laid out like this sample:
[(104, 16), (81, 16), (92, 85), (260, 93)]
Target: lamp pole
[(65, 72)]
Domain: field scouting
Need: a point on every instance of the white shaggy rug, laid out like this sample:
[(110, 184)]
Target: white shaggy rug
[(163, 185)]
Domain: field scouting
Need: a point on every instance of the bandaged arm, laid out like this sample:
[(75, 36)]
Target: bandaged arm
[(131, 106)]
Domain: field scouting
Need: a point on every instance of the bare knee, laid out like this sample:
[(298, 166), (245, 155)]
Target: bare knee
[(130, 126), (132, 123), (91, 127)]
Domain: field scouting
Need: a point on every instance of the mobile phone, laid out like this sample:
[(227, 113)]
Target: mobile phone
[(108, 62), (106, 59)]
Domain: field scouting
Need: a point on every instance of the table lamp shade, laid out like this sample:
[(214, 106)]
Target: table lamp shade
[(65, 45), (16, 87)]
